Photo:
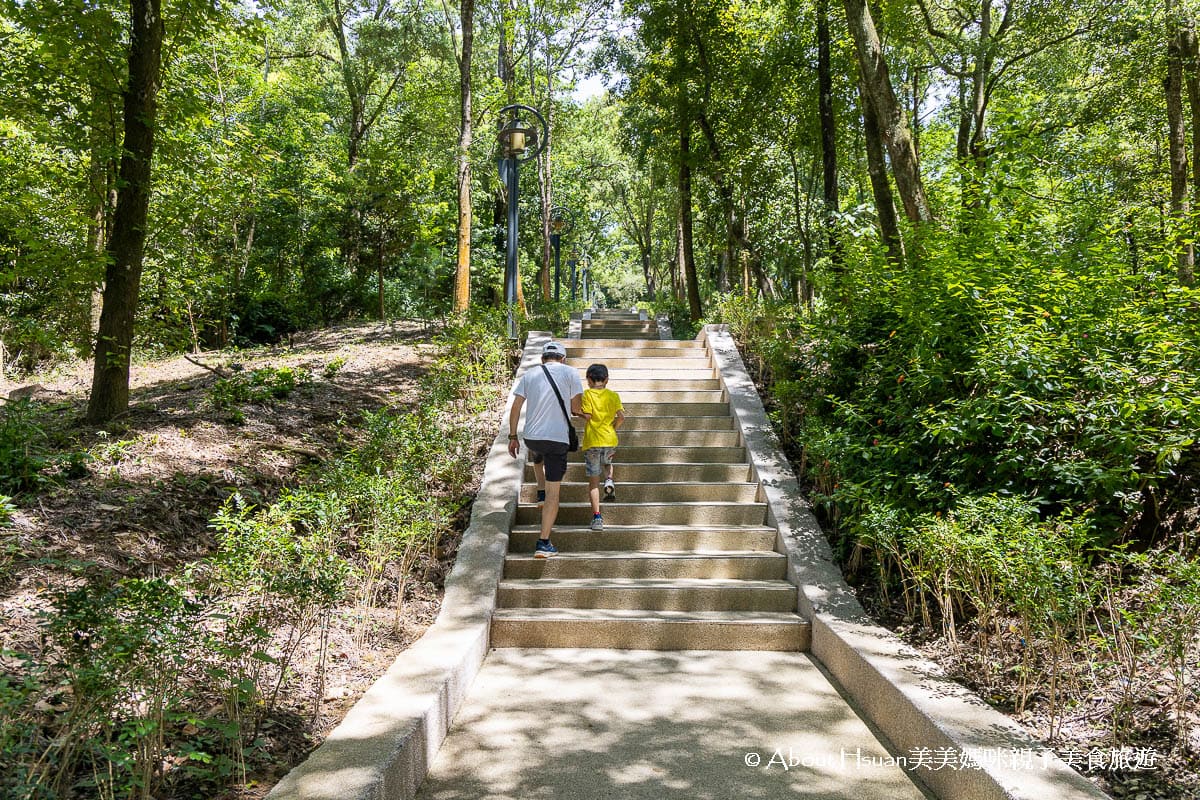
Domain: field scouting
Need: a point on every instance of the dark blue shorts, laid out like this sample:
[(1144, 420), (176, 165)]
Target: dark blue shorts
[(552, 454)]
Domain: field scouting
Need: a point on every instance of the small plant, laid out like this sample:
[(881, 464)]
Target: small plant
[(24, 450), (7, 511), (334, 367), (261, 386)]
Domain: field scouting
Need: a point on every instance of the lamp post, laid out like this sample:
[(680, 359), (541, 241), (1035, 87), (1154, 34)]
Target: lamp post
[(572, 264), (560, 223), (519, 141), (586, 296)]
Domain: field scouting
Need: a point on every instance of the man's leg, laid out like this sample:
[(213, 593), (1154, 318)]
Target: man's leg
[(550, 510)]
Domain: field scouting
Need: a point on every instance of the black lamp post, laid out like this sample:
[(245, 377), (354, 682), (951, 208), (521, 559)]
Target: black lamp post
[(572, 263), (586, 297), (560, 223), (519, 141)]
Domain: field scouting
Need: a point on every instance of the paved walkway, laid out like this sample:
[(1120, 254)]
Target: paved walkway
[(584, 724)]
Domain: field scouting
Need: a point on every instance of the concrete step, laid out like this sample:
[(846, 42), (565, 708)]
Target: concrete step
[(663, 408), (674, 438), (633, 374), (649, 630), (628, 361), (635, 345), (623, 384), (672, 396), (682, 594), (648, 539), (695, 455), (633, 423), (745, 565), (577, 492), (587, 353), (617, 324), (682, 513), (627, 472)]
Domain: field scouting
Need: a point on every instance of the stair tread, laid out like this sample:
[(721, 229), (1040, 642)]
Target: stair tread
[(535, 528), (543, 614), (673, 503), (681, 555), (646, 583)]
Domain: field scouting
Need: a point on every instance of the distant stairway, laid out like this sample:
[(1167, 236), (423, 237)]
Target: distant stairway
[(685, 560)]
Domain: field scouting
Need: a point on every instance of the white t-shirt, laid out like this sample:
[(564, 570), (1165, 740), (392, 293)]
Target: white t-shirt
[(543, 418)]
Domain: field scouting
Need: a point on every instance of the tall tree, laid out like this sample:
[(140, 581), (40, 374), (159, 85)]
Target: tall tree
[(463, 51), (829, 170), (110, 378), (1185, 256), (888, 111)]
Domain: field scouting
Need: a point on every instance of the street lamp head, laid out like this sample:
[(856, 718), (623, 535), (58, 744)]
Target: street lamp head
[(518, 139), (560, 220)]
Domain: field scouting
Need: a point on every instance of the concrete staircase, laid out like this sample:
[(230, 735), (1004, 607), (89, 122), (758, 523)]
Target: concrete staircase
[(686, 559)]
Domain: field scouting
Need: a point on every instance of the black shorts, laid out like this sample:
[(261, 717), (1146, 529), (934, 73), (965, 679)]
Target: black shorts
[(554, 454)]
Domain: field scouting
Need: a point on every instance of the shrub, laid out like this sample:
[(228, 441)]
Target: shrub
[(24, 451), (261, 386)]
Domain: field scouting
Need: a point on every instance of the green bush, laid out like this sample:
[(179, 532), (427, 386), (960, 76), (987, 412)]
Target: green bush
[(261, 386), (24, 450)]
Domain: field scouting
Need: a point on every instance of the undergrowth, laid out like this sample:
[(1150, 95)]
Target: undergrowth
[(167, 686), (1003, 452)]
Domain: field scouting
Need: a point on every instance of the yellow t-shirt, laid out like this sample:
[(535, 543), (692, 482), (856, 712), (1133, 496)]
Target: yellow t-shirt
[(603, 405)]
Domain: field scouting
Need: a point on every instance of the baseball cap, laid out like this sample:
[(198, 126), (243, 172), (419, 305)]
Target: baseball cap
[(554, 349)]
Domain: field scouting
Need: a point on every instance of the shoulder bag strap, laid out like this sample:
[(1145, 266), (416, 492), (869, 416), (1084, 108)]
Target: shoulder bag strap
[(553, 386)]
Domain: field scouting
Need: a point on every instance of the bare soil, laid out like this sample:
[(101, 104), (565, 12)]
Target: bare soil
[(157, 475)]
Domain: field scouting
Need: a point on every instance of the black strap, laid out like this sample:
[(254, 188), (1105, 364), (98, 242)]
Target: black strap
[(553, 386)]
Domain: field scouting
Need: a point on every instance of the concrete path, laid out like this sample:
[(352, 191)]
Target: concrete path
[(585, 724)]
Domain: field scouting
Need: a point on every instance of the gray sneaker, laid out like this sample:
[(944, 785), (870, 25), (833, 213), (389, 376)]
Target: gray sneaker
[(597, 522)]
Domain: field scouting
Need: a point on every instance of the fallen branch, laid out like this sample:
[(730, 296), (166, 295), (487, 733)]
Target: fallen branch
[(214, 370)]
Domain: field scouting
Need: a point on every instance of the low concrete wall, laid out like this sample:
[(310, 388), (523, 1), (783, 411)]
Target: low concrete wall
[(383, 748), (927, 718)]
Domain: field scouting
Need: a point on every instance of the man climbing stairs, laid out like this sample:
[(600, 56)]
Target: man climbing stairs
[(685, 560)]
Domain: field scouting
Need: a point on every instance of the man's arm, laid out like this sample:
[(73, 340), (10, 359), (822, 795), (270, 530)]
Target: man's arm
[(514, 419)]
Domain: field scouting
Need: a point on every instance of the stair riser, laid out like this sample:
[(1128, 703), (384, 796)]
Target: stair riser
[(682, 455), (697, 598), (674, 409), (586, 353), (674, 438), (660, 473), (683, 345), (649, 541), (655, 493), (671, 396), (651, 635), (633, 423), (754, 568), (647, 364), (652, 384), (651, 514)]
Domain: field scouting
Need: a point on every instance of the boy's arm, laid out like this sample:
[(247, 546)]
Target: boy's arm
[(619, 418)]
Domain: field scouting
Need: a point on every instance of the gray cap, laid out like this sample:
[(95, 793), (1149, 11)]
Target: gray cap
[(554, 349)]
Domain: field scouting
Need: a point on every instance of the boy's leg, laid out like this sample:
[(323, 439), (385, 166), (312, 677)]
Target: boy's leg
[(594, 492)]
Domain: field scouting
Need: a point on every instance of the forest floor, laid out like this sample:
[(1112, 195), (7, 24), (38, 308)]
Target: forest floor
[(155, 477)]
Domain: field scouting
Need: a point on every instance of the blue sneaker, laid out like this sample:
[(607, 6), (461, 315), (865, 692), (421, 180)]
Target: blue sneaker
[(597, 522), (541, 496), (544, 549)]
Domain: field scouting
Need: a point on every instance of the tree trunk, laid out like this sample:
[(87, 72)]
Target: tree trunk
[(828, 134), (888, 112), (885, 204), (462, 273), (686, 252), (1177, 140), (110, 377)]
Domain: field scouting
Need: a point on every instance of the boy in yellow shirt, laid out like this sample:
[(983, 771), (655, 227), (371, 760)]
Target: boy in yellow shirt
[(602, 408)]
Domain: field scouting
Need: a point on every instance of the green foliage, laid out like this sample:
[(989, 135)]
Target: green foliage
[(24, 454), (7, 510), (261, 386)]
